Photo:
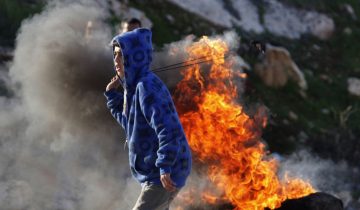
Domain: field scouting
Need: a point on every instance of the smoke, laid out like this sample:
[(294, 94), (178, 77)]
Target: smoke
[(176, 53), (192, 195), (172, 53), (59, 146), (338, 178)]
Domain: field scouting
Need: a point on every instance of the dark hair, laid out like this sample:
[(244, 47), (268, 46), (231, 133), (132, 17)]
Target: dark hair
[(115, 43), (134, 21)]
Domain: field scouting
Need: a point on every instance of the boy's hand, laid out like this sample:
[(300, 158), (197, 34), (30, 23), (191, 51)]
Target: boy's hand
[(114, 83), (167, 183)]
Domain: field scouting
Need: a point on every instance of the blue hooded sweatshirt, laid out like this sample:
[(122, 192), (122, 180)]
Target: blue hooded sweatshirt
[(157, 143)]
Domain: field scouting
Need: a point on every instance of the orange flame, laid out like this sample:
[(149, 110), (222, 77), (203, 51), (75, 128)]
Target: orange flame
[(221, 135)]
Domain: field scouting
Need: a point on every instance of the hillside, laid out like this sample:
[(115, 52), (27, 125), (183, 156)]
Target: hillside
[(328, 117)]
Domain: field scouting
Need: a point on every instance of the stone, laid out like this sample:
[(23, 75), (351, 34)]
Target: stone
[(302, 137), (347, 31), (285, 122), (325, 111), (277, 68), (279, 18), (349, 9), (354, 86), (170, 18), (303, 94), (325, 78), (212, 11), (316, 47), (320, 26), (291, 22), (314, 201), (293, 116)]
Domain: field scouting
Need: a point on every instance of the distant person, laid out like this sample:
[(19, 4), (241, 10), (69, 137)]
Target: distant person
[(130, 25), (133, 23), (159, 154)]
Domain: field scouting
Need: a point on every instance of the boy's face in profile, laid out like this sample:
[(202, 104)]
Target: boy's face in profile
[(118, 61)]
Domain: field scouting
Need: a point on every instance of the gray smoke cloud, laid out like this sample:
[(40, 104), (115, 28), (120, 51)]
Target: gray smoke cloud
[(60, 148), (336, 178), (172, 53), (175, 53)]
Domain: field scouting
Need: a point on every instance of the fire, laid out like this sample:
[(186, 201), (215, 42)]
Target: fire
[(226, 139)]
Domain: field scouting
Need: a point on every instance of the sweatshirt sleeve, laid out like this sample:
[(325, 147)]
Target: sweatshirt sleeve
[(159, 111), (115, 102)]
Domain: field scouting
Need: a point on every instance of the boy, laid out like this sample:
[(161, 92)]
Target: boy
[(159, 154)]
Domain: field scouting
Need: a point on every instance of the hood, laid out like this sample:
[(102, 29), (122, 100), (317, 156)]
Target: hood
[(137, 49)]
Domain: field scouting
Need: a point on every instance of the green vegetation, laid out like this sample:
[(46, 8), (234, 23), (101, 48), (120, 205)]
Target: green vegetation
[(12, 13)]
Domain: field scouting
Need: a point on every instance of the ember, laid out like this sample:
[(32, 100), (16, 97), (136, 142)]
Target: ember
[(226, 139)]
